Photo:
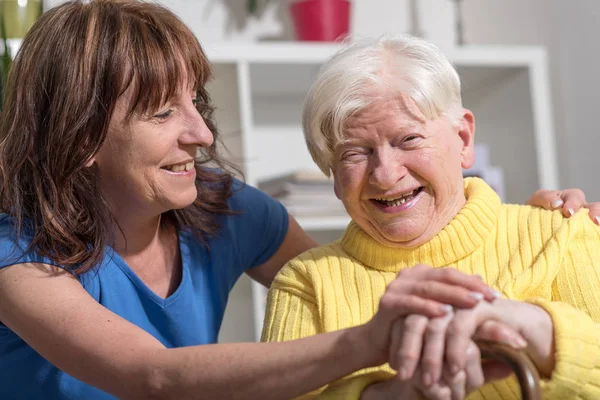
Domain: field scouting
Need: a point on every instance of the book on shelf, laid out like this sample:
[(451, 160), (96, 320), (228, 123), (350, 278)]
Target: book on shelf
[(482, 168), (305, 193)]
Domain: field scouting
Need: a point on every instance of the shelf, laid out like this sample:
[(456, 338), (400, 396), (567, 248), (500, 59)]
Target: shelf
[(323, 223), (316, 53)]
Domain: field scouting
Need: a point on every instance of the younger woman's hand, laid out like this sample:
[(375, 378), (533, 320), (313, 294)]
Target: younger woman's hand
[(422, 290), (568, 201)]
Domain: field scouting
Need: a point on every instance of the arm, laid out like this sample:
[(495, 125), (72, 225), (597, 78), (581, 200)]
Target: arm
[(575, 314), (561, 328), (50, 310)]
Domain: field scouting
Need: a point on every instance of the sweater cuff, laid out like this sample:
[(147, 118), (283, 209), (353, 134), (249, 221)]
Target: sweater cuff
[(576, 352)]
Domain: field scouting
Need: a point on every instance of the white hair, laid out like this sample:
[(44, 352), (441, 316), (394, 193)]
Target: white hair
[(354, 77)]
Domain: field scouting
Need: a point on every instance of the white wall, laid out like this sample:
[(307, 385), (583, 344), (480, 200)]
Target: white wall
[(569, 30)]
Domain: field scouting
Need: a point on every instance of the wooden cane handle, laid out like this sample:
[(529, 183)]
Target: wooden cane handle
[(519, 362)]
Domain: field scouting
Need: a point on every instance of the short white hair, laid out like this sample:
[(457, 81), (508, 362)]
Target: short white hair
[(354, 77)]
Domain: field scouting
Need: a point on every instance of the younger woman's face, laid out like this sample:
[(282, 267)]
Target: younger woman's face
[(146, 164)]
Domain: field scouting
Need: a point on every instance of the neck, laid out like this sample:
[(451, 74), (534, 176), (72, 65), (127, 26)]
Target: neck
[(133, 235)]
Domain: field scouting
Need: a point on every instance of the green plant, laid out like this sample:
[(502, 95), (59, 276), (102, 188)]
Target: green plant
[(6, 58), (252, 5)]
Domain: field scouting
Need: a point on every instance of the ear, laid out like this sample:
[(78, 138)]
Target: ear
[(90, 162), (466, 132)]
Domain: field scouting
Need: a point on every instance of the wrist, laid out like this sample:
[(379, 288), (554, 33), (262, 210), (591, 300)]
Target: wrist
[(541, 346), (360, 344)]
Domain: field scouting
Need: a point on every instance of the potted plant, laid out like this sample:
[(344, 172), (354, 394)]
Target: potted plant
[(316, 20), (15, 20)]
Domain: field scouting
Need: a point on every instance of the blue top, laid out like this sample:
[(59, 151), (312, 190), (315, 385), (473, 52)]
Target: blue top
[(190, 316)]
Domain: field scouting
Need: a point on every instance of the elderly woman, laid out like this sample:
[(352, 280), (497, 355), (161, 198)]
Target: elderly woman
[(385, 118)]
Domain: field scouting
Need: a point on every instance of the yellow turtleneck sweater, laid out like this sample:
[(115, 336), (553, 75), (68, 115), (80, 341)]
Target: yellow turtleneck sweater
[(526, 253)]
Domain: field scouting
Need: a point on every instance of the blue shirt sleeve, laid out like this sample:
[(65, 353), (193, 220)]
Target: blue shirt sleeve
[(259, 225)]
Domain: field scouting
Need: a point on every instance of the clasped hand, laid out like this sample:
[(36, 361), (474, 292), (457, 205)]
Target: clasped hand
[(431, 340)]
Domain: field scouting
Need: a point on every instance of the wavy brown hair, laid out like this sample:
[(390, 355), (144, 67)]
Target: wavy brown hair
[(73, 65)]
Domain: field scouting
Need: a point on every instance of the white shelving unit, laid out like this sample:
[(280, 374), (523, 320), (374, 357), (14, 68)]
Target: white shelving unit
[(259, 91)]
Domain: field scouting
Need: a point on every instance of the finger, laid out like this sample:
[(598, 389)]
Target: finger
[(548, 199), (437, 391), (473, 283), (460, 331), (395, 346), (454, 295), (433, 350), (474, 371), (594, 212), (457, 384), (393, 305), (411, 343), (573, 200), (495, 331)]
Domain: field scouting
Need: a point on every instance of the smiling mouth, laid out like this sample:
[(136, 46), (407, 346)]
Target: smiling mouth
[(179, 167), (399, 200)]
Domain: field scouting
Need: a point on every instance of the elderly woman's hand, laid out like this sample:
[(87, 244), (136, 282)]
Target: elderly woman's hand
[(448, 387), (533, 323), (417, 353), (569, 201), (427, 291)]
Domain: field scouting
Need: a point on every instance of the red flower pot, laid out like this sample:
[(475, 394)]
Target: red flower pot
[(321, 20)]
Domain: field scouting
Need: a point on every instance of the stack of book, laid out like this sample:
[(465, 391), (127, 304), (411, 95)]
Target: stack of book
[(305, 193)]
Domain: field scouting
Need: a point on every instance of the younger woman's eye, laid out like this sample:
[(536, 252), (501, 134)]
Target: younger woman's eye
[(164, 115)]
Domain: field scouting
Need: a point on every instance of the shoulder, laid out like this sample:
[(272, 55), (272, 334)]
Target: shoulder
[(545, 224), (14, 246)]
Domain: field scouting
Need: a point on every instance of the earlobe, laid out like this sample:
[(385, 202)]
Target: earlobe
[(335, 188), (466, 132), (90, 162)]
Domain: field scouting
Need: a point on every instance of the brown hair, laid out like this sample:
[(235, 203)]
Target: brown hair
[(74, 63)]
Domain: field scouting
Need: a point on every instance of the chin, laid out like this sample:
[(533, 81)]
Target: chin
[(182, 201), (405, 237)]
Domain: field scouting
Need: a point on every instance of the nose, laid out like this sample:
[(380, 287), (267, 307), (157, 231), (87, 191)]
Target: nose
[(196, 130), (386, 168)]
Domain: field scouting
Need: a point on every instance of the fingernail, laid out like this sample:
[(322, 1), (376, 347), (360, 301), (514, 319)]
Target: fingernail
[(520, 342), (478, 276), (496, 293), (427, 380), (447, 309), (556, 203), (571, 211), (454, 369), (476, 295), (597, 218)]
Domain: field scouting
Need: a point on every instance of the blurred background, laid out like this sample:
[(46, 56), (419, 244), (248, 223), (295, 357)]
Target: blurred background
[(529, 70)]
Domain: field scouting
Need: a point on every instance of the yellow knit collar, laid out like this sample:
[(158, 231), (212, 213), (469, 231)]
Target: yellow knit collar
[(464, 234)]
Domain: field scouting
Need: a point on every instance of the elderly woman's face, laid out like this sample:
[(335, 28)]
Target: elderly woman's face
[(398, 174), (146, 164)]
